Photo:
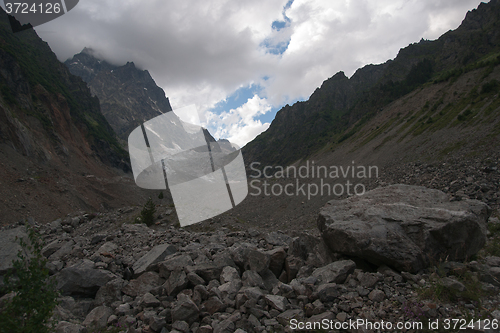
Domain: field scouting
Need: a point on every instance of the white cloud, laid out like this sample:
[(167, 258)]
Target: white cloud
[(201, 51), (240, 125)]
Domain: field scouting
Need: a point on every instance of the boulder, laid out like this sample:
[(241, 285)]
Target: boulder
[(335, 272), (404, 226), (143, 284), (110, 292), (185, 310), (67, 327), (82, 279), (155, 255), (98, 317), (9, 247)]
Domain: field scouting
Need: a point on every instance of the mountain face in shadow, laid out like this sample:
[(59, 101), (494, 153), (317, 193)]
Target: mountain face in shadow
[(128, 96)]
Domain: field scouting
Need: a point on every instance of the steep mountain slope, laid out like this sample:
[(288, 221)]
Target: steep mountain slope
[(58, 152), (429, 117), (128, 96), (306, 127)]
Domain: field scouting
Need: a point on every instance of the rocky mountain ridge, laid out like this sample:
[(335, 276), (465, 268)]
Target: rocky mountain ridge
[(342, 106), (58, 152), (128, 96)]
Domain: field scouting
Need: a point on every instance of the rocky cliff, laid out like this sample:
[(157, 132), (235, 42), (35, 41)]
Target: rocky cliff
[(128, 96), (56, 145)]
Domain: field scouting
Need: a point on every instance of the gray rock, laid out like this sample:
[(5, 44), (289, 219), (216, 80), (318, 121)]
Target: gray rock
[(66, 327), (195, 279), (277, 302), (229, 274), (174, 263), (185, 310), (98, 317), (278, 238), (285, 317), (155, 255), (250, 259), (376, 295), (110, 292), (82, 279), (404, 226), (335, 272), (176, 282), (212, 305), (51, 248), (453, 284), (149, 301), (208, 271), (252, 279), (277, 260), (143, 284), (205, 329), (9, 247), (181, 326), (368, 280), (328, 292)]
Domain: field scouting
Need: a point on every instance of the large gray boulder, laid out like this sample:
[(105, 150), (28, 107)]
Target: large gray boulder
[(9, 247), (83, 279), (406, 227)]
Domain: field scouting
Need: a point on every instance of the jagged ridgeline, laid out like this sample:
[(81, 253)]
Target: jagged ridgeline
[(128, 96), (341, 107), (34, 77)]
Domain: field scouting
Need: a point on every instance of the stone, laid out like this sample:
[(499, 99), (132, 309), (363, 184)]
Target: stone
[(181, 326), (285, 317), (208, 271), (277, 302), (82, 279), (67, 327), (110, 292), (368, 280), (185, 310), (229, 274), (231, 288), (335, 272), (176, 282), (376, 295), (269, 279), (328, 292), (277, 260), (212, 305), (195, 279), (453, 284), (155, 255), (250, 259), (149, 301), (143, 284), (292, 266), (157, 323), (9, 247), (404, 226), (278, 239), (98, 317), (174, 263), (252, 279), (205, 329), (51, 248)]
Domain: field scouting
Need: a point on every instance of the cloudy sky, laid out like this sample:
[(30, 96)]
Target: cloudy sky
[(240, 61)]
